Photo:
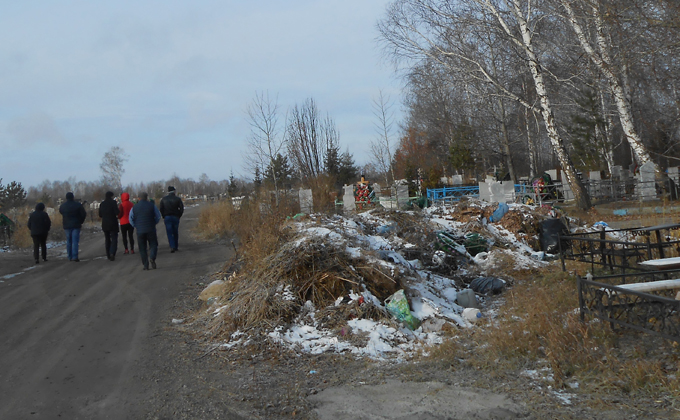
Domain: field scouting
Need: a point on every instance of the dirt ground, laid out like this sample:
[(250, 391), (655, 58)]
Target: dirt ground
[(59, 360), (266, 381)]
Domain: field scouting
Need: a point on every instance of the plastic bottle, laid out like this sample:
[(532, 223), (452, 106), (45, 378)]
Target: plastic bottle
[(472, 315)]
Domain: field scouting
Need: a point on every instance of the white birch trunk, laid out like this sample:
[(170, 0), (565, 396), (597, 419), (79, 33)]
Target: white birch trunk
[(580, 194), (603, 62), (532, 147)]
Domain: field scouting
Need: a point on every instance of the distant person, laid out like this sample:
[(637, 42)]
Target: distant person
[(172, 209), (126, 229), (108, 211), (144, 217), (73, 215), (39, 223)]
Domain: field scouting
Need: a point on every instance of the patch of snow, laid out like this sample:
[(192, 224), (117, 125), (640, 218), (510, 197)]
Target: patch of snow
[(564, 397)]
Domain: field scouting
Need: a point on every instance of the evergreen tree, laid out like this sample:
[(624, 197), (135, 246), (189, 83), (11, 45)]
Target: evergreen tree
[(279, 170), (12, 195), (258, 178), (332, 161), (347, 171), (233, 188)]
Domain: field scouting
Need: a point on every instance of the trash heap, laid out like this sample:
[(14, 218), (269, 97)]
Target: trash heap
[(381, 284)]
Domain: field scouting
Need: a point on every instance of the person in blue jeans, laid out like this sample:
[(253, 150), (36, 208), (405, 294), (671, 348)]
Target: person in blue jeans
[(73, 215), (144, 217), (172, 210)]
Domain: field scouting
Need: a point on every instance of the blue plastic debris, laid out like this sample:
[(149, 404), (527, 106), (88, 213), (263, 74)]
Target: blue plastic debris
[(499, 212)]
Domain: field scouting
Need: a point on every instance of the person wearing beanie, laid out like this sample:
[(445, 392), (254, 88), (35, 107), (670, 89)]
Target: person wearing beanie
[(108, 211), (126, 229), (172, 209), (144, 217), (39, 223), (73, 216)]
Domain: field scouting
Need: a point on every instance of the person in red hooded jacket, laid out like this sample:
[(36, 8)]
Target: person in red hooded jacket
[(126, 229)]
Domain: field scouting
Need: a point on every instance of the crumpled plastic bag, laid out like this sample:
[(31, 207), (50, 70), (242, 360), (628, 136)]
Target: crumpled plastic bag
[(397, 305), (484, 285), (499, 212)]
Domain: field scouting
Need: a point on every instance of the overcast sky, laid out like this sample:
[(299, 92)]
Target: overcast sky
[(169, 81)]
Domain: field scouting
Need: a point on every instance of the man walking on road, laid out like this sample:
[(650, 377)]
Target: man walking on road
[(172, 209), (108, 211), (144, 217), (39, 223), (73, 215)]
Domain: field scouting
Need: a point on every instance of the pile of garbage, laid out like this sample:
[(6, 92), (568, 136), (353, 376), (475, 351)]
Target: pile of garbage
[(381, 284)]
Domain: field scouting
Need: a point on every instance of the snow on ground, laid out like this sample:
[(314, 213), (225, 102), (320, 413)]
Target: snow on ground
[(372, 236), (9, 276)]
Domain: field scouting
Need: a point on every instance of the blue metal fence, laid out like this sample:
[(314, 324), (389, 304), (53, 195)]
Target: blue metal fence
[(451, 193), (455, 193)]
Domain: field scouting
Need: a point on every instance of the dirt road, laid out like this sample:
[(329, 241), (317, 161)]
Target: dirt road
[(95, 340), (87, 340)]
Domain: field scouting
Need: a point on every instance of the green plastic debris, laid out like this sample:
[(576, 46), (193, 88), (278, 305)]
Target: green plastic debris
[(297, 216), (449, 243), (423, 202), (397, 305), (475, 243)]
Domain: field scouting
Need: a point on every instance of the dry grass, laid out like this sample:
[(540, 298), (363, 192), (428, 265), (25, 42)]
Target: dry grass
[(539, 325), (215, 219), (21, 235), (272, 290), (272, 277)]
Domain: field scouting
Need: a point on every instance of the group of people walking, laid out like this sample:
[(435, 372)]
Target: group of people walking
[(116, 217)]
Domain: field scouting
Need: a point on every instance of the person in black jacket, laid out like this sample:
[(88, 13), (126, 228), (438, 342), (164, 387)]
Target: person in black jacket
[(73, 214), (108, 211), (39, 223), (172, 209), (144, 217)]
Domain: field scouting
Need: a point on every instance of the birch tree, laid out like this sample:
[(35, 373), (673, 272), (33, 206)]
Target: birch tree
[(112, 167), (265, 141), (382, 147), (310, 139), (420, 28), (596, 43)]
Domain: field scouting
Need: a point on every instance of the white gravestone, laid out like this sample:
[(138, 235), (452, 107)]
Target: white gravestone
[(306, 201), (402, 195), (348, 202), (647, 182), (509, 191), (484, 192)]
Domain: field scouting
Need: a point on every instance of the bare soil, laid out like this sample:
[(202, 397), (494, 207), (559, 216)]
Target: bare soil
[(95, 340)]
